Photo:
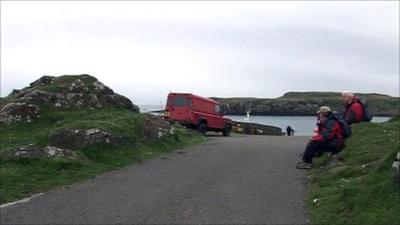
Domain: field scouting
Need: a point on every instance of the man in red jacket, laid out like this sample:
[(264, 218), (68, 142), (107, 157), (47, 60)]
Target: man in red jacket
[(328, 137), (354, 112)]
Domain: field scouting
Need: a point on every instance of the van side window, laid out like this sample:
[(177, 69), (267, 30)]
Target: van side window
[(217, 109), (180, 101)]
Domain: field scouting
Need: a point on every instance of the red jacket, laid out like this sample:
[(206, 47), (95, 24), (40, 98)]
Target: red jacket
[(330, 131), (354, 112)]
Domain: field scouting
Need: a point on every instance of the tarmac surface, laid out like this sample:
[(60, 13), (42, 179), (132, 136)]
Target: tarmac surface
[(241, 179)]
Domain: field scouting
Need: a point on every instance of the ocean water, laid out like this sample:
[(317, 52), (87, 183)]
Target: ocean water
[(302, 125)]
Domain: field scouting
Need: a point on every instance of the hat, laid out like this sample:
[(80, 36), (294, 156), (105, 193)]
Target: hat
[(324, 109)]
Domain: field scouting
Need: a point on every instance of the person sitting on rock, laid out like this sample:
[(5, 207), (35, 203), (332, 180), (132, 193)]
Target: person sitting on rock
[(328, 137), (354, 112)]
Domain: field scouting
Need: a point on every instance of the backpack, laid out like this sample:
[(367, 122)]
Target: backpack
[(367, 115), (346, 129)]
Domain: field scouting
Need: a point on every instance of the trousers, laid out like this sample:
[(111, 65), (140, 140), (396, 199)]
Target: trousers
[(318, 147)]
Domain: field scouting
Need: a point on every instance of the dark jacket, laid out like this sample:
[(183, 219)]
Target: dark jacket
[(330, 131), (354, 112)]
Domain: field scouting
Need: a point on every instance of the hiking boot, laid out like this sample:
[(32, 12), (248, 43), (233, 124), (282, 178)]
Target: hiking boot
[(303, 165)]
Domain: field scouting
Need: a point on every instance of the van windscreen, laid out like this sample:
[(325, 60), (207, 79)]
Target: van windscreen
[(180, 101)]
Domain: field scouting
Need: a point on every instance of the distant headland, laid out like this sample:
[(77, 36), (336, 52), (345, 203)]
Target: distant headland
[(305, 104)]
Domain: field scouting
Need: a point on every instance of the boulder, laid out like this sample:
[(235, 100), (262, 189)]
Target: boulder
[(78, 86), (100, 88), (119, 101), (19, 112), (54, 152), (37, 97), (75, 138), (93, 101), (32, 151), (396, 167), (255, 128), (155, 128), (44, 80)]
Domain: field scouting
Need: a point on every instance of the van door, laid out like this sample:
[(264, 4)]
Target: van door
[(216, 120), (179, 108)]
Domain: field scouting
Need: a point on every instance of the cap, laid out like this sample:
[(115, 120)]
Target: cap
[(324, 109)]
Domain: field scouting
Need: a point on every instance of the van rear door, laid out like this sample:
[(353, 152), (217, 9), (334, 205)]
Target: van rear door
[(178, 107)]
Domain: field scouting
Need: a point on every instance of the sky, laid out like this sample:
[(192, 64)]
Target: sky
[(144, 50)]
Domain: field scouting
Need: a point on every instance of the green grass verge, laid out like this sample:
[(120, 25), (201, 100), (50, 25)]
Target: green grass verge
[(25, 177), (360, 190)]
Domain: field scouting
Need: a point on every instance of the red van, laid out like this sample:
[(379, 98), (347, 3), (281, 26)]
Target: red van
[(202, 114)]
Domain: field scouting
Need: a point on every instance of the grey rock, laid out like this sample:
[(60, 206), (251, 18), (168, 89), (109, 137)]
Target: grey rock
[(396, 167), (78, 86), (155, 128), (44, 80), (93, 100), (100, 88), (19, 112), (118, 101), (76, 138), (37, 97), (32, 151), (28, 151), (54, 152), (254, 128), (15, 92)]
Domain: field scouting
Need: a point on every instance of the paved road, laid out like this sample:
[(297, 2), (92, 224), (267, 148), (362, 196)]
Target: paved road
[(227, 180)]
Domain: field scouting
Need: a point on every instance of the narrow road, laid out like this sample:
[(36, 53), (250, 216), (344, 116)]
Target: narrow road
[(227, 180)]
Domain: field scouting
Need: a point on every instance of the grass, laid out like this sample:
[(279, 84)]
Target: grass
[(360, 190), (25, 177)]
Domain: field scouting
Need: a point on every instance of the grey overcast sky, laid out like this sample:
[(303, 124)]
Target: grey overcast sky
[(144, 50)]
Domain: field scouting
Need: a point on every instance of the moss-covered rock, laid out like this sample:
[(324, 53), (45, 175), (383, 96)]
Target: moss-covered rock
[(64, 92)]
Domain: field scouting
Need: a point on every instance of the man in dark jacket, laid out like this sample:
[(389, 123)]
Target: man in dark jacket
[(354, 112), (328, 137), (289, 131)]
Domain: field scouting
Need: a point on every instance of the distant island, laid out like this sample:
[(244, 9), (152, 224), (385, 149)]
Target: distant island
[(305, 104)]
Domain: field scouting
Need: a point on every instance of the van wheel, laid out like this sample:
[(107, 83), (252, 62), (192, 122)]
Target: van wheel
[(202, 128), (227, 130)]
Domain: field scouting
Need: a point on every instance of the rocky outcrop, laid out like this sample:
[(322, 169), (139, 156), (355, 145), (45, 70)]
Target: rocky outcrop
[(305, 104), (155, 128), (78, 138), (64, 92), (35, 152), (44, 80), (396, 167), (19, 112), (254, 128)]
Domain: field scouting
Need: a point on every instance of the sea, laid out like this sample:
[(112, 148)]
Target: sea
[(302, 125)]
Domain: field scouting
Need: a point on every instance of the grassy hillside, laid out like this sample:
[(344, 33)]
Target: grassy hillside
[(361, 189), (24, 177)]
